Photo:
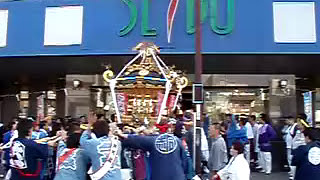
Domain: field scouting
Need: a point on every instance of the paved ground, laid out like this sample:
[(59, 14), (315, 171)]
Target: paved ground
[(262, 176), (273, 176)]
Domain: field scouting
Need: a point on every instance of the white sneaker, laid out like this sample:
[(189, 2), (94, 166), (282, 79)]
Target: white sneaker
[(262, 171), (290, 176), (206, 170), (196, 178), (258, 167)]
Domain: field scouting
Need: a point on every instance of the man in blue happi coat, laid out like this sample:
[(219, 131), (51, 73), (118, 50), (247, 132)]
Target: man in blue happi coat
[(26, 155), (167, 160)]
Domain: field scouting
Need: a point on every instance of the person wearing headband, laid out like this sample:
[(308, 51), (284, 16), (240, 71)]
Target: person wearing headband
[(295, 132), (302, 121), (290, 136)]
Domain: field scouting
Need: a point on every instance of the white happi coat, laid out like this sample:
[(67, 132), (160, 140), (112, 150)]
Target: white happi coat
[(237, 169)]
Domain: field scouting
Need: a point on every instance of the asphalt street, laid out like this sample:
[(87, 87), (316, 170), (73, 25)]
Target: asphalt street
[(262, 176), (272, 176)]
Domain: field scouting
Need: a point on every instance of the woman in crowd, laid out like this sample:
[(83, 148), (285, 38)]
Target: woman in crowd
[(102, 149), (237, 168), (72, 163), (266, 135)]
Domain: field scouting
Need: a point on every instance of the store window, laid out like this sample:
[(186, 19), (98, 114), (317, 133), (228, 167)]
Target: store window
[(248, 101)]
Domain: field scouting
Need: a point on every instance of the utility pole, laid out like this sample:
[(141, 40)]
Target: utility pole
[(198, 89)]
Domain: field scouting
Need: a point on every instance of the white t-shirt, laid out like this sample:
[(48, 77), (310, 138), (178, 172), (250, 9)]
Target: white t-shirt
[(249, 130), (289, 133), (204, 146)]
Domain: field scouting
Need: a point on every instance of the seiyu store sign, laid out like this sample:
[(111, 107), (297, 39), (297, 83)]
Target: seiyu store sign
[(82, 27)]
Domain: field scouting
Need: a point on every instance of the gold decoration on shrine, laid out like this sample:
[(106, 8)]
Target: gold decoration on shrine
[(108, 75), (145, 88)]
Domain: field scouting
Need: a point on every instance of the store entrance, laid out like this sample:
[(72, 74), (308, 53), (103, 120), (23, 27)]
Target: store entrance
[(232, 100), (238, 101)]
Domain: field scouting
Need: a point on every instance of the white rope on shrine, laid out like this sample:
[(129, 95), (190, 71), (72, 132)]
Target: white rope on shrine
[(180, 89), (113, 83), (159, 66), (114, 98), (164, 101), (157, 58), (167, 88), (177, 99), (163, 64), (132, 61)]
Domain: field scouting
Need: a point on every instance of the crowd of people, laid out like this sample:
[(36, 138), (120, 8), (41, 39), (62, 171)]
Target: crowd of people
[(97, 148)]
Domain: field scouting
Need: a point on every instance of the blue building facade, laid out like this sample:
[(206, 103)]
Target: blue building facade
[(115, 26)]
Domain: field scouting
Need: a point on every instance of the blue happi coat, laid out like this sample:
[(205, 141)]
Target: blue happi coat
[(306, 159), (168, 160), (235, 133), (39, 134), (98, 149), (74, 167), (36, 135), (26, 156)]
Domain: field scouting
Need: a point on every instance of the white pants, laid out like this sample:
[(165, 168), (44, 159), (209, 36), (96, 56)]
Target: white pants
[(292, 171), (247, 152), (259, 158), (266, 161), (8, 175)]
